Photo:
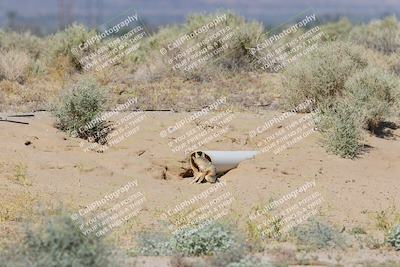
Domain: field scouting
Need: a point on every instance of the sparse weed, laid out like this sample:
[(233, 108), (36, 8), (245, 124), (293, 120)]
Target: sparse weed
[(372, 242), (383, 221), (318, 235), (14, 65), (13, 208), (254, 236), (21, 174), (358, 230), (152, 244)]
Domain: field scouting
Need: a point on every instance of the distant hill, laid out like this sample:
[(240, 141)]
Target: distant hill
[(44, 13)]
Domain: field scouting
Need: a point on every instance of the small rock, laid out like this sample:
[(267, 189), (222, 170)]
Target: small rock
[(27, 143)]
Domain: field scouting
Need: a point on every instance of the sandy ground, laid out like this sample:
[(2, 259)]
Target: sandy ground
[(58, 170)]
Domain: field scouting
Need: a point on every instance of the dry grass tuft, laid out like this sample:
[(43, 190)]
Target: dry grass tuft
[(14, 65)]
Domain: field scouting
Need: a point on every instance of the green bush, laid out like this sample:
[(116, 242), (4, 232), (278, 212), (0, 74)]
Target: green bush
[(372, 93), (26, 42), (340, 129), (381, 35), (322, 74), (79, 111), (152, 244), (318, 235), (338, 30), (59, 243), (246, 36), (236, 57), (206, 241), (394, 237), (62, 43), (213, 238)]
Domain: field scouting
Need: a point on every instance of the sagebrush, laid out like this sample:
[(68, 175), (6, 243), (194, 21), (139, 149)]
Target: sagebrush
[(58, 242), (341, 130), (79, 111), (322, 74), (381, 35), (210, 239), (372, 94), (394, 237)]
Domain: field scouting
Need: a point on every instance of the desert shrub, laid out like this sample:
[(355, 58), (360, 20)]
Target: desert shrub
[(382, 35), (78, 111), (62, 43), (30, 44), (372, 93), (246, 36), (318, 235), (14, 65), (152, 244), (210, 239), (224, 258), (338, 30), (322, 74), (394, 237), (236, 57), (58, 242), (206, 241), (396, 68), (394, 64), (340, 129)]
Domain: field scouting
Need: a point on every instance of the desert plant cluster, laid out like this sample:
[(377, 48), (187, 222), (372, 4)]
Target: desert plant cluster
[(353, 89), (58, 241), (353, 76)]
